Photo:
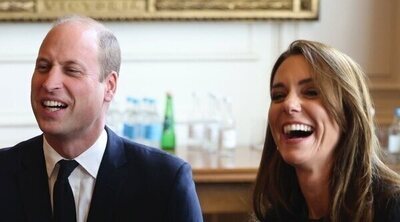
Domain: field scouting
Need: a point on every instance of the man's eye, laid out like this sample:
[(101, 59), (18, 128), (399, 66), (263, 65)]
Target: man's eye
[(42, 67), (72, 71)]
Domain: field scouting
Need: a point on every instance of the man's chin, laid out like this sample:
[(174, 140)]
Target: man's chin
[(51, 129)]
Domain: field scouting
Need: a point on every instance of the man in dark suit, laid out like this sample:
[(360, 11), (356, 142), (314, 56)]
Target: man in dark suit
[(111, 178)]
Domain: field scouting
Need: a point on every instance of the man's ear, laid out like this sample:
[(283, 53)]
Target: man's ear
[(111, 86)]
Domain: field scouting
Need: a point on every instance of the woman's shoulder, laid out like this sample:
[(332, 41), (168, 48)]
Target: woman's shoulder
[(388, 211), (275, 215), (387, 203)]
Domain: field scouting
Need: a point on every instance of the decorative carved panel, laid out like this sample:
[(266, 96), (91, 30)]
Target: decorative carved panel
[(40, 10)]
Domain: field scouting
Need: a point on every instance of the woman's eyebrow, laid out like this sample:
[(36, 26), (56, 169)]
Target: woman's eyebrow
[(281, 85), (305, 81), (277, 85)]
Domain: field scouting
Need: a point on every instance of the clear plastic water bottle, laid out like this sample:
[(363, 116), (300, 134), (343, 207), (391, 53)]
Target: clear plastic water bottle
[(228, 136), (144, 120), (196, 124), (152, 123), (394, 133), (115, 116), (212, 124), (131, 126)]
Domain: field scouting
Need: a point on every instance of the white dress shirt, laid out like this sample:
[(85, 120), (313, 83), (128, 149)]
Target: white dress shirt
[(83, 178)]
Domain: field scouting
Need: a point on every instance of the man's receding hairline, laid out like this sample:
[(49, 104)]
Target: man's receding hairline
[(86, 22)]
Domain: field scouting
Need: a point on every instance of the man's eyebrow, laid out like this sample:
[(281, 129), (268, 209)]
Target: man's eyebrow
[(73, 62), (41, 59)]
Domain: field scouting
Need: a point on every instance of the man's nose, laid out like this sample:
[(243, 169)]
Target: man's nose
[(53, 80)]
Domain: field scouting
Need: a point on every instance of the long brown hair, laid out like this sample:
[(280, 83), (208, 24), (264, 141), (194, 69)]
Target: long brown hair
[(357, 159)]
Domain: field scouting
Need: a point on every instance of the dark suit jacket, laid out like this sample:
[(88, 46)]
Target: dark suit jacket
[(134, 183)]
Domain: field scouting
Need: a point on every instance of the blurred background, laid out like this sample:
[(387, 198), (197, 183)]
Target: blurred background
[(224, 58), (214, 70)]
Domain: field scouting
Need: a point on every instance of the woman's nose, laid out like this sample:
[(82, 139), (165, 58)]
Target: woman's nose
[(292, 104)]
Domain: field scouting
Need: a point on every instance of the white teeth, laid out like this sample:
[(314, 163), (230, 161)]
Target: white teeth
[(53, 109), (53, 103), (296, 127)]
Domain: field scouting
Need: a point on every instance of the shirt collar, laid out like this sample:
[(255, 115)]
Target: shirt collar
[(89, 160)]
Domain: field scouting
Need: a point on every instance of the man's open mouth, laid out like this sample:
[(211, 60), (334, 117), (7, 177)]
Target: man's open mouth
[(54, 105)]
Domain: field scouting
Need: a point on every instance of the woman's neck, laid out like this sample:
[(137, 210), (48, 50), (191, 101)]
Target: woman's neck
[(314, 185)]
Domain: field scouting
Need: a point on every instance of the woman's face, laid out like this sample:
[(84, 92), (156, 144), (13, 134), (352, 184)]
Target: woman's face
[(303, 131)]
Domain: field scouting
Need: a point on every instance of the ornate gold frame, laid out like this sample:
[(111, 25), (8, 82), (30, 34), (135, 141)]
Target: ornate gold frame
[(44, 10)]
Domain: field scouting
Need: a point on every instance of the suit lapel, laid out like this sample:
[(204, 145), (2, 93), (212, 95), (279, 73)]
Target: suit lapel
[(33, 182), (109, 180)]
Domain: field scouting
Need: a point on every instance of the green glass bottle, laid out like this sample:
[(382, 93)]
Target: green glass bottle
[(168, 134)]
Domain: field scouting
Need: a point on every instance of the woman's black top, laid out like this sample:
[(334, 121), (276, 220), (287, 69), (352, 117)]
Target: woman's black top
[(385, 209)]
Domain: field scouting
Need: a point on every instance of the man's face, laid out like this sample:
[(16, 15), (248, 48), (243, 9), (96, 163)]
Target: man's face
[(67, 98)]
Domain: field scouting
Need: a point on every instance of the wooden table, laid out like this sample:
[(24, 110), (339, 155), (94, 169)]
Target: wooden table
[(224, 183)]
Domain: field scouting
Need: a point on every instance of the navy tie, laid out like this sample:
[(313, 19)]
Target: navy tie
[(63, 199)]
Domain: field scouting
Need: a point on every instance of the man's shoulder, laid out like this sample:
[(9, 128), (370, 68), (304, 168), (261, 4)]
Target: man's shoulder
[(21, 146), (150, 155), (11, 157), (143, 159)]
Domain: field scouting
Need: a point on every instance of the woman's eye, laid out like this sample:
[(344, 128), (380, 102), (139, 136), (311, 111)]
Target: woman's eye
[(277, 96), (311, 93)]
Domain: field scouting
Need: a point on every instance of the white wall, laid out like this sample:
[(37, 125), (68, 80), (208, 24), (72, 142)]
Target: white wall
[(230, 58)]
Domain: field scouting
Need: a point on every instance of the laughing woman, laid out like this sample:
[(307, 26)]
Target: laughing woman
[(321, 159)]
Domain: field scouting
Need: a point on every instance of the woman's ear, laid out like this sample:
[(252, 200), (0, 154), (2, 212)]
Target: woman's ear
[(111, 86)]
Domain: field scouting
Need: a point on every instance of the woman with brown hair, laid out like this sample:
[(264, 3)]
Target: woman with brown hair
[(321, 159)]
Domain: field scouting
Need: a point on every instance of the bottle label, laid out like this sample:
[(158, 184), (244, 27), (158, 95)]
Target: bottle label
[(196, 131), (228, 139), (168, 135), (168, 124), (212, 136), (130, 131), (152, 131), (394, 144)]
